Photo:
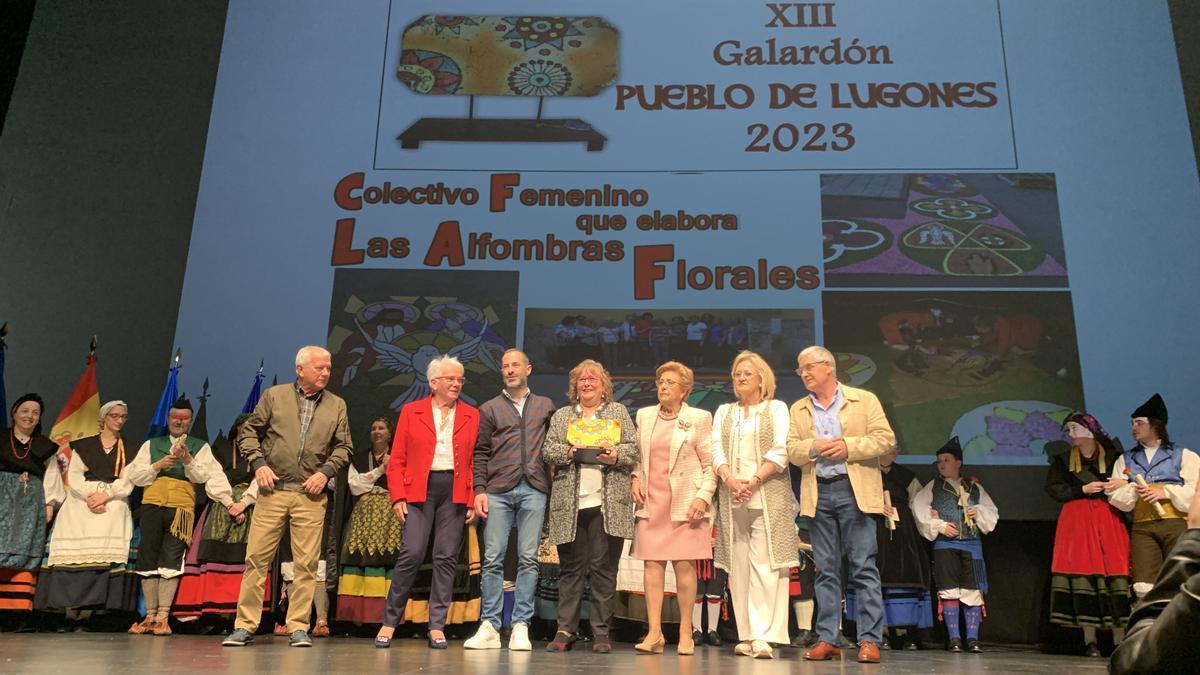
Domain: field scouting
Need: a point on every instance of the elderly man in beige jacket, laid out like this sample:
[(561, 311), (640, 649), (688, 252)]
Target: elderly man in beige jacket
[(836, 437)]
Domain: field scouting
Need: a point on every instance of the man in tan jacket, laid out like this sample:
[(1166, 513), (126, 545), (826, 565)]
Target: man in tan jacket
[(297, 438), (836, 437)]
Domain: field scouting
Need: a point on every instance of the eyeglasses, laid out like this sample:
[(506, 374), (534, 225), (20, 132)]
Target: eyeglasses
[(809, 367), (452, 380), (117, 416), (744, 373), (667, 382), (589, 378)]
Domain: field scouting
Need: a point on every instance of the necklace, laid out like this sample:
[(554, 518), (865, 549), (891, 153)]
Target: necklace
[(12, 444), (667, 417), (445, 419)]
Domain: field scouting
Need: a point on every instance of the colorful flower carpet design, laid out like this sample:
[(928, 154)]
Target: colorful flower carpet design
[(948, 229)]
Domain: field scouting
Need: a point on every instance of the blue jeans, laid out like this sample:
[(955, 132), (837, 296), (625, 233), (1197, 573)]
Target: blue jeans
[(840, 528), (527, 507)]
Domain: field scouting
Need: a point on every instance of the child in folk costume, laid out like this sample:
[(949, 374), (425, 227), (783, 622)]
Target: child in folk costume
[(1089, 586), (1156, 481), (954, 514)]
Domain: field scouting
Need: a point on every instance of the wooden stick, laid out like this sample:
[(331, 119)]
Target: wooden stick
[(1158, 508), (895, 517)]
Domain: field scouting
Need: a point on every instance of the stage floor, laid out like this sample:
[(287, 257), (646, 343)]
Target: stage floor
[(96, 653)]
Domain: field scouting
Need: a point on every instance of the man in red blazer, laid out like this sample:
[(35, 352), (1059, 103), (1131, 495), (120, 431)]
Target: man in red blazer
[(430, 480)]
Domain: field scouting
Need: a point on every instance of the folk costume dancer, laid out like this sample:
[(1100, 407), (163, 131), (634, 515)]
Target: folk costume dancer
[(1155, 480), (166, 467), (28, 478), (954, 514), (1089, 584), (903, 559), (87, 567), (371, 532), (213, 567)]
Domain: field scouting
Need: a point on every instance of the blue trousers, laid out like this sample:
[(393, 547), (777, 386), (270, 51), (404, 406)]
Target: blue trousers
[(838, 529), (527, 507)]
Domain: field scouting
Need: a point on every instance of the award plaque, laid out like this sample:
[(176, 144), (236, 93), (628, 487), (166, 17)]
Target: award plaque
[(589, 433)]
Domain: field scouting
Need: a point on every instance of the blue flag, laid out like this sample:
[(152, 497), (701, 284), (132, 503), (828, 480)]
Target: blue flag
[(158, 425), (255, 391)]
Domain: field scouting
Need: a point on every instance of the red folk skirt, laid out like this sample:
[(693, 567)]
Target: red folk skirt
[(1091, 539)]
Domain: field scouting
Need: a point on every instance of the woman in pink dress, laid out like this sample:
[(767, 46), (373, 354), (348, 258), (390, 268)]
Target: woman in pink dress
[(673, 488)]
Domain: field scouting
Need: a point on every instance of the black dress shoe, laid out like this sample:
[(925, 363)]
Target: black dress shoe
[(713, 639), (973, 647), (805, 638), (910, 646), (1092, 650), (955, 645), (845, 643), (698, 637)]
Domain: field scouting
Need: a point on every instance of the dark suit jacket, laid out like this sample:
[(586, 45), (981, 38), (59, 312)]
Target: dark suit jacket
[(1162, 634), (413, 446)]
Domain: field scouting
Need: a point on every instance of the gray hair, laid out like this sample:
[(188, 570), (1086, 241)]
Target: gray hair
[(821, 354), (306, 353), (109, 406), (440, 364)]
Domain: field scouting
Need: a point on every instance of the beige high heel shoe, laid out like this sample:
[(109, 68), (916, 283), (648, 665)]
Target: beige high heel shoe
[(655, 647)]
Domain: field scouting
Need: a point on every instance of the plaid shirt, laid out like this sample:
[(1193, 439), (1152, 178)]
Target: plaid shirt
[(307, 405)]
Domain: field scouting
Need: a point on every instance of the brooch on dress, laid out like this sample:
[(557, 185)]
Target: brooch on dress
[(684, 424)]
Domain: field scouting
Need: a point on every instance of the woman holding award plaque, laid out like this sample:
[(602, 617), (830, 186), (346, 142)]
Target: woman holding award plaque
[(591, 450), (756, 531), (673, 488)]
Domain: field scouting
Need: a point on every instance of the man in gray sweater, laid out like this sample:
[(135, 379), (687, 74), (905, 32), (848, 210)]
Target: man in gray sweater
[(511, 483)]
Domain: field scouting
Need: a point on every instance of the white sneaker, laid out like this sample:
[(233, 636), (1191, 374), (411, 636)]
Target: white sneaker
[(484, 638), (519, 640)]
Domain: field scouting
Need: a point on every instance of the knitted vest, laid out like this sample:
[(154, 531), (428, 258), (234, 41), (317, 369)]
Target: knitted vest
[(779, 503), (945, 502)]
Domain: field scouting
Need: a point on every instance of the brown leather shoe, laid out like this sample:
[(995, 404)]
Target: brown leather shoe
[(142, 627), (161, 627), (823, 651), (868, 652)]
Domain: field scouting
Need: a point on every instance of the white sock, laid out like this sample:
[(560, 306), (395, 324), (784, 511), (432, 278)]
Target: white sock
[(804, 614), (697, 613), (712, 608), (1089, 635)]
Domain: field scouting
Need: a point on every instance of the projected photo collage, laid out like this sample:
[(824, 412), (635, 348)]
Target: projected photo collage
[(986, 348), (706, 340)]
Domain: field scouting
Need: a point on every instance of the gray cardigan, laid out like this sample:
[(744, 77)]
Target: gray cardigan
[(617, 504)]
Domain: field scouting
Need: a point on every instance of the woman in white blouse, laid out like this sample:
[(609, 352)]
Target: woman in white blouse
[(756, 527), (89, 545), (371, 534)]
